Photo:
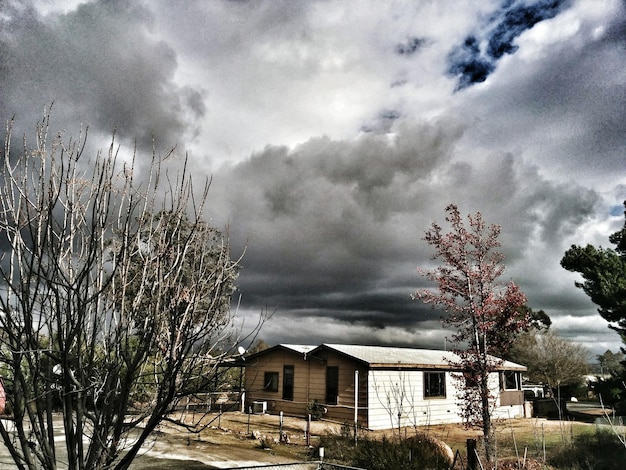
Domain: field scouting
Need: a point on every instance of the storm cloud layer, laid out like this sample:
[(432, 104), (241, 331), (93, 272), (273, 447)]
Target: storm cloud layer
[(336, 132)]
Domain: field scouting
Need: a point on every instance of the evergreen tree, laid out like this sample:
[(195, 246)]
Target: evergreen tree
[(604, 274)]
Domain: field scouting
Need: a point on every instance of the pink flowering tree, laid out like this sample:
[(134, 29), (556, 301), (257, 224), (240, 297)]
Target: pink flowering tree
[(486, 313)]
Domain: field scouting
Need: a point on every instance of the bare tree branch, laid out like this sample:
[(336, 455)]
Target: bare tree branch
[(115, 299)]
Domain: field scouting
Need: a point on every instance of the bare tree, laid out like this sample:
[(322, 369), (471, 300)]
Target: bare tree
[(551, 359), (397, 398), (115, 301)]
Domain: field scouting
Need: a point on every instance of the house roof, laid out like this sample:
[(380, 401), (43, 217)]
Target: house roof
[(303, 349), (382, 357), (299, 348)]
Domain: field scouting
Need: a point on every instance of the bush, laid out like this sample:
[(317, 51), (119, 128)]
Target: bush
[(413, 453), (601, 450), (612, 392), (316, 410), (338, 447)]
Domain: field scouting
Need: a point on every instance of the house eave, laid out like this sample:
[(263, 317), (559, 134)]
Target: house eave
[(401, 366), (452, 368)]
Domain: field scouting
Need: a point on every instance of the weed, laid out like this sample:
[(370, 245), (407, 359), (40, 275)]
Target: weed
[(600, 450), (416, 452)]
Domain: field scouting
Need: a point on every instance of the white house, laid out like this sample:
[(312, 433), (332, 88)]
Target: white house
[(389, 387)]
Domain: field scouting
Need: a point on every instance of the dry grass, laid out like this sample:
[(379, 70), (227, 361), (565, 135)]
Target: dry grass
[(514, 438), (528, 442)]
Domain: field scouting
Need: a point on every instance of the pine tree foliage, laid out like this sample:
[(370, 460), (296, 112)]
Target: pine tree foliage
[(604, 277)]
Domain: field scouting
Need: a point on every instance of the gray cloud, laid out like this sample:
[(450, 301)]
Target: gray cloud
[(100, 66), (576, 94), (335, 137), (410, 46), (334, 227)]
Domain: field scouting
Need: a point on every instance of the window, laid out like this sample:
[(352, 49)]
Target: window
[(434, 385), (288, 383), (510, 380), (270, 382), (332, 385)]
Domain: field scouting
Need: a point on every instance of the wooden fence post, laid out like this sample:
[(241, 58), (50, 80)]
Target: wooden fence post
[(472, 460)]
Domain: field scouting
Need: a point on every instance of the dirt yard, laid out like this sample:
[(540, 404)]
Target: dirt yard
[(236, 437)]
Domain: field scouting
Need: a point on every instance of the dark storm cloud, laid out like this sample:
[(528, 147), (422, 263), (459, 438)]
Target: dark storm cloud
[(334, 228), (100, 66), (334, 225), (472, 62), (376, 310)]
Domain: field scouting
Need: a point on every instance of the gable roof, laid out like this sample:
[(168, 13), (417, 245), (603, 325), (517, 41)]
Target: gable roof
[(383, 357), (299, 348), (302, 349)]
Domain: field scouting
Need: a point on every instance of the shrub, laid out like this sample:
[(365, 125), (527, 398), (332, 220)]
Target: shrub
[(315, 409), (601, 450), (416, 452), (338, 448)]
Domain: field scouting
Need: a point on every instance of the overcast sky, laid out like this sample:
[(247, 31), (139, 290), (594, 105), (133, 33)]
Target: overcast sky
[(336, 132)]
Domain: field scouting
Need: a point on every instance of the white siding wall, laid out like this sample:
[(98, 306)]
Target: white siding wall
[(510, 411), (501, 412), (392, 391)]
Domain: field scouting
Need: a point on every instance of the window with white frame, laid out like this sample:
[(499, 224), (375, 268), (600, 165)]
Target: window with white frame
[(510, 380)]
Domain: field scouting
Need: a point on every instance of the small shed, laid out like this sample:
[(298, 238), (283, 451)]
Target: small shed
[(382, 387)]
